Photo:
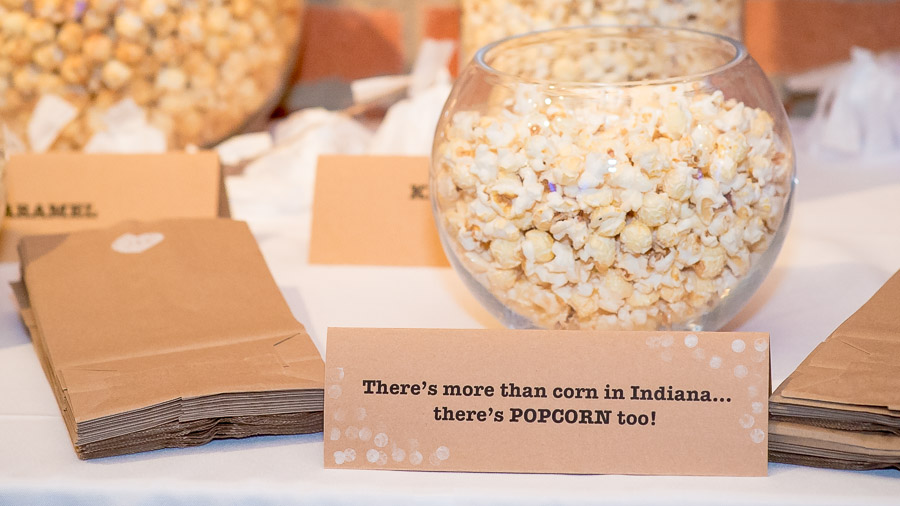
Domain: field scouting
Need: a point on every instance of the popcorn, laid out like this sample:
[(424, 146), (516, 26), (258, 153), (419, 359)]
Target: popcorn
[(484, 21), (198, 69), (623, 208)]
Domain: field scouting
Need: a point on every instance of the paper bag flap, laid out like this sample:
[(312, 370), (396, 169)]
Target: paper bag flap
[(859, 363)]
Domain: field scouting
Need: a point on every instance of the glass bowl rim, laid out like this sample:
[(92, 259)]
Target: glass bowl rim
[(740, 54)]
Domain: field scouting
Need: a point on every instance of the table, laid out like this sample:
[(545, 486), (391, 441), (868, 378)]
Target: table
[(844, 242)]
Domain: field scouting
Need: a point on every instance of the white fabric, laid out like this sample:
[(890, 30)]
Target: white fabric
[(843, 244)]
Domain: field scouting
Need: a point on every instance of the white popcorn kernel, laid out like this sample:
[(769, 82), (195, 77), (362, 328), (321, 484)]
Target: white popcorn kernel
[(640, 299), (662, 264), (721, 223), (500, 134), (617, 285), (535, 146), (678, 182), (671, 294), (654, 210), (596, 167), (584, 306), (599, 197), (761, 169), (707, 198), (507, 254), (601, 249), (563, 258), (502, 279), (568, 170), (724, 170), (689, 250), (647, 157), (755, 231), (631, 200), (485, 168), (636, 237), (629, 177), (576, 230), (537, 246), (667, 235), (732, 145), (711, 262), (675, 121), (608, 221)]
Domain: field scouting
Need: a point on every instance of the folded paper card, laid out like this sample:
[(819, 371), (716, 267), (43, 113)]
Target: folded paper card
[(841, 407), (166, 333), (670, 403), (64, 192), (374, 210)]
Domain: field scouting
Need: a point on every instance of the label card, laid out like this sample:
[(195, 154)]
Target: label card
[(534, 401), (54, 193), (374, 210)]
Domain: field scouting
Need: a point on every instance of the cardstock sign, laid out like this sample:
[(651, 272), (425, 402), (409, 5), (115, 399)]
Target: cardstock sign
[(54, 193), (580, 402), (374, 210)]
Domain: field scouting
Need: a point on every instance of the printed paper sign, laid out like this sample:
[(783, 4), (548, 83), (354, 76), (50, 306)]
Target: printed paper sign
[(55, 193), (374, 210), (580, 402)]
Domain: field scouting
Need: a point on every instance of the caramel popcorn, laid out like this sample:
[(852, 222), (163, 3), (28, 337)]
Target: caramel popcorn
[(198, 69), (632, 207), (484, 21)]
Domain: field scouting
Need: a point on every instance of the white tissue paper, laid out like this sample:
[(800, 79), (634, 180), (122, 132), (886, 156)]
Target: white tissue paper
[(12, 143), (127, 131), (858, 109), (408, 127), (279, 182), (51, 114)]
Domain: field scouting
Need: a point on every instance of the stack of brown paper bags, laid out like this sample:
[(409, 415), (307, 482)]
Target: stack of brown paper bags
[(841, 407), (166, 334)]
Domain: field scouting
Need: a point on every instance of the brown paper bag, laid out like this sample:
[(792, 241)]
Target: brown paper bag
[(171, 324), (846, 391)]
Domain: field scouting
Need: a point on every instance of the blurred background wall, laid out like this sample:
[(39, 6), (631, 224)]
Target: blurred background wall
[(376, 37)]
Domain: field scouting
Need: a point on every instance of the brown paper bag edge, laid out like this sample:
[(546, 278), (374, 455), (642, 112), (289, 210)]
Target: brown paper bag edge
[(788, 391)]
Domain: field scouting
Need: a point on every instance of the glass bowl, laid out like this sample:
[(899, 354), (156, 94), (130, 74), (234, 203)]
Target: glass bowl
[(75, 75), (484, 21), (613, 178)]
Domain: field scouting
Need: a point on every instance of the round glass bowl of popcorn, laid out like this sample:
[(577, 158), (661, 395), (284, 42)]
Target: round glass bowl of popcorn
[(484, 21), (613, 178), (92, 74)]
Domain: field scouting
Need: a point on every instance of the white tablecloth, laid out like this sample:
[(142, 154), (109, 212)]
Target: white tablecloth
[(844, 242)]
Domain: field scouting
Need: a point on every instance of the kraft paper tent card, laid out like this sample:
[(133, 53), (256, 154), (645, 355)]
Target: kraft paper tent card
[(540, 401), (374, 210), (166, 334), (54, 193), (841, 407)]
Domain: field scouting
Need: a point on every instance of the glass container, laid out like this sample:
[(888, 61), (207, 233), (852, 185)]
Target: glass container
[(484, 21), (613, 178), (181, 73)]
